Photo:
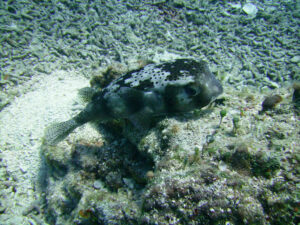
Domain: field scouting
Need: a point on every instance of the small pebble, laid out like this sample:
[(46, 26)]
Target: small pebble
[(250, 9), (295, 59), (150, 175), (23, 170), (98, 184)]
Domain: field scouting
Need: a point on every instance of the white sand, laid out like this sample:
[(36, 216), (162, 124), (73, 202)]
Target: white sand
[(47, 99)]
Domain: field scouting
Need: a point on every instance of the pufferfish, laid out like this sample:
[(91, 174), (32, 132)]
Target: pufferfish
[(162, 89)]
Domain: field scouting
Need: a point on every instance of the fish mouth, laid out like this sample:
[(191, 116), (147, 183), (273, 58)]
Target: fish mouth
[(214, 89), (210, 94), (217, 89)]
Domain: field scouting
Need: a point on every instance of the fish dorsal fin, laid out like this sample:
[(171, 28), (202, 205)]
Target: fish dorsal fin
[(86, 94)]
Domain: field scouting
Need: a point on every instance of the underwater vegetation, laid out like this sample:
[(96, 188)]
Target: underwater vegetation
[(270, 102)]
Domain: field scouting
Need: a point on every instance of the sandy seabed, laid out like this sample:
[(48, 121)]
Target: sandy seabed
[(48, 99)]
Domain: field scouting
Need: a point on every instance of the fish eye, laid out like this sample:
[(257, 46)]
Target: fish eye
[(190, 91)]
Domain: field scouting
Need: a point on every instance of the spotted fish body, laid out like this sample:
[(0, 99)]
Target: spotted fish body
[(157, 89)]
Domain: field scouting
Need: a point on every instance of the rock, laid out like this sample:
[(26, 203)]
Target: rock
[(295, 59), (250, 9), (98, 184)]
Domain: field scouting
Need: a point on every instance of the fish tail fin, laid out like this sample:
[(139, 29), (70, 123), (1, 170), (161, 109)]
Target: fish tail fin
[(58, 131)]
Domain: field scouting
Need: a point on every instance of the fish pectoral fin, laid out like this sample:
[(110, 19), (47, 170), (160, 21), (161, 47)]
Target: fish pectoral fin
[(141, 121), (86, 94)]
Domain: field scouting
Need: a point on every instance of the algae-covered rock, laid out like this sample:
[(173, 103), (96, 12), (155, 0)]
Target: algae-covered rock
[(186, 169), (199, 196)]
